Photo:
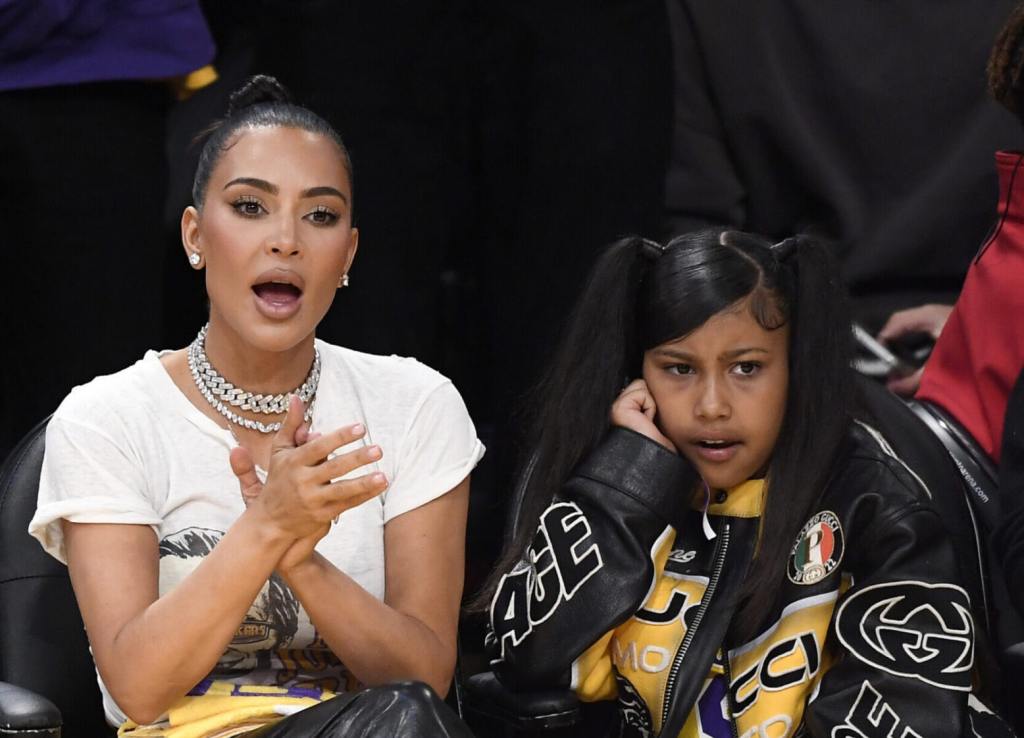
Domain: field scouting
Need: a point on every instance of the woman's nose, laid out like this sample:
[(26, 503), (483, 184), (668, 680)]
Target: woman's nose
[(285, 239)]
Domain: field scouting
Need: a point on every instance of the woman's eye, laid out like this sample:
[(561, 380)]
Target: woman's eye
[(322, 215), (248, 207), (746, 368)]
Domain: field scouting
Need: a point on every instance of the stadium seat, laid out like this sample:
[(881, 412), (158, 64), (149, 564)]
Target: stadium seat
[(47, 679)]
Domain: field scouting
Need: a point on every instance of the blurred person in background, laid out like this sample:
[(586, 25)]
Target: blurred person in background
[(865, 124), (85, 88), (975, 371), (980, 350)]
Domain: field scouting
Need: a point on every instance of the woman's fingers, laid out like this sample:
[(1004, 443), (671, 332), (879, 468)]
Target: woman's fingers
[(244, 468), (302, 434), (319, 447), (342, 464), (348, 493), (300, 488), (286, 436)]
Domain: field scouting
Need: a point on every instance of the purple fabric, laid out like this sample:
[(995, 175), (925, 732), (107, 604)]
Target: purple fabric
[(57, 42)]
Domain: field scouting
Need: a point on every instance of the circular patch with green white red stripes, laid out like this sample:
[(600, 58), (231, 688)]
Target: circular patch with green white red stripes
[(818, 549)]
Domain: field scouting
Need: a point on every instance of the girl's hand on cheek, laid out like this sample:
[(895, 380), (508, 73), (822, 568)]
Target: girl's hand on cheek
[(635, 409)]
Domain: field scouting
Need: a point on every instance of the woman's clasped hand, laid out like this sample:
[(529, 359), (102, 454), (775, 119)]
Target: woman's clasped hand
[(305, 491)]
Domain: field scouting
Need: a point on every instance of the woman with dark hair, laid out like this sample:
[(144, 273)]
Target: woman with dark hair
[(239, 555), (707, 534)]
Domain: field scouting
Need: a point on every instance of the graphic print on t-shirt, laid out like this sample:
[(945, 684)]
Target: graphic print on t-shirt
[(297, 664), (273, 618)]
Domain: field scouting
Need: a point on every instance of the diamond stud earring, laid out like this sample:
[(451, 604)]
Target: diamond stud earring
[(194, 259), (344, 281)]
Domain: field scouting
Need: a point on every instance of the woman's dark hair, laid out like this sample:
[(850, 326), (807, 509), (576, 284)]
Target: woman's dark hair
[(641, 294), (1006, 64), (261, 102)]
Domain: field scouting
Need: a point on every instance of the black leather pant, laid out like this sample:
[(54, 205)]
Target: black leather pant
[(392, 711)]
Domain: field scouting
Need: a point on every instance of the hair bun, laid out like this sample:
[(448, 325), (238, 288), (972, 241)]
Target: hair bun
[(260, 88), (651, 249), (742, 240), (786, 247)]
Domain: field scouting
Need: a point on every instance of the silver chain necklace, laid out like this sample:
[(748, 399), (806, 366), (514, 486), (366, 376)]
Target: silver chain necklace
[(220, 393)]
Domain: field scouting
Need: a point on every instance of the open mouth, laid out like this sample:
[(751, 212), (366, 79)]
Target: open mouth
[(277, 293), (716, 450), (716, 444)]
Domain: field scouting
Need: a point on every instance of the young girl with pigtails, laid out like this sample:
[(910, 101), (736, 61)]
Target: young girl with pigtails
[(708, 535)]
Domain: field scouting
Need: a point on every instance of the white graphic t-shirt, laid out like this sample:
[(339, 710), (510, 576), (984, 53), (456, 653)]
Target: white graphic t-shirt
[(131, 448)]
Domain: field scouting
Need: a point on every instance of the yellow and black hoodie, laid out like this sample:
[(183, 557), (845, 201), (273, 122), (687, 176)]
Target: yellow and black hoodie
[(627, 591)]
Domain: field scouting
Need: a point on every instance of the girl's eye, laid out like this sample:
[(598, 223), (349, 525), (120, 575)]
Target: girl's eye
[(680, 369), (248, 207), (746, 368), (323, 215)]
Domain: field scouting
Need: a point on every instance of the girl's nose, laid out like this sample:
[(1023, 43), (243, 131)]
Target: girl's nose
[(712, 401)]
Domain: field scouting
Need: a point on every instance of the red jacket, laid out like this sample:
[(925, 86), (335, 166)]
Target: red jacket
[(981, 350)]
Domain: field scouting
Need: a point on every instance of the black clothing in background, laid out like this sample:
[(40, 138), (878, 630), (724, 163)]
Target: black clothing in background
[(865, 122), (573, 104), (82, 177), (1009, 538)]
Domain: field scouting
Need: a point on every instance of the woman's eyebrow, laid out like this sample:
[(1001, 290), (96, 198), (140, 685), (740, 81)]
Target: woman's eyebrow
[(260, 184), (324, 190)]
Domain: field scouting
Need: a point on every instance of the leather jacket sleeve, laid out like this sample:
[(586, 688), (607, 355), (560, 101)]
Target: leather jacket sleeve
[(902, 636), (589, 565), (1009, 536)]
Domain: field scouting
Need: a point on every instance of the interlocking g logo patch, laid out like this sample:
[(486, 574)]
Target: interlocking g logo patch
[(911, 629), (818, 549)]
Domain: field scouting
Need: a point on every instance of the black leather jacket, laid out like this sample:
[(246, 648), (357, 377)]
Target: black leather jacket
[(623, 594)]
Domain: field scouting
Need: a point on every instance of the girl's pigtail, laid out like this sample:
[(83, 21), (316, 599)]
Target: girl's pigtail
[(821, 355), (818, 412), (568, 411)]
